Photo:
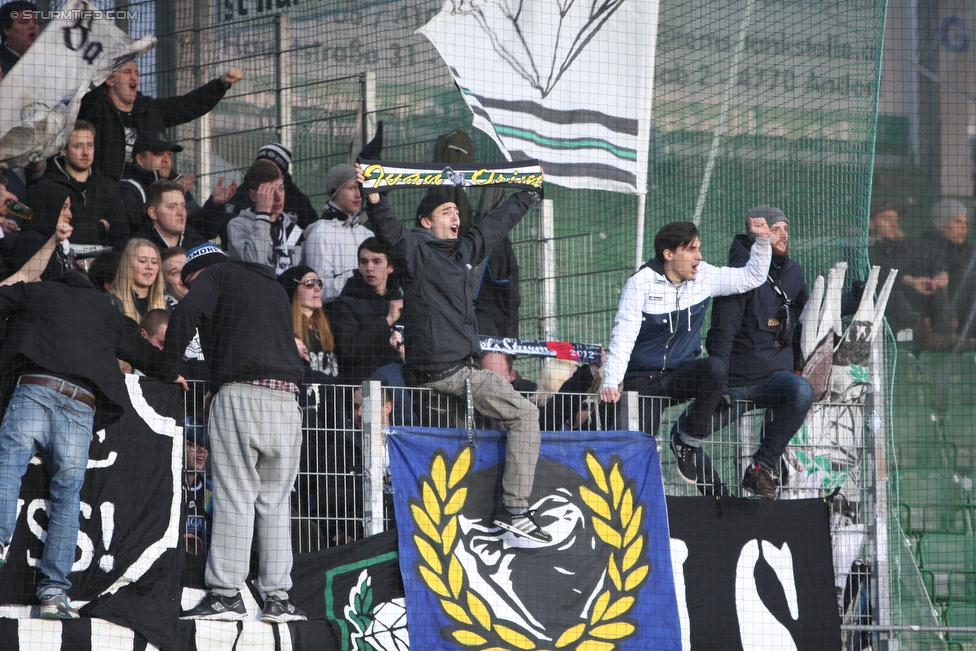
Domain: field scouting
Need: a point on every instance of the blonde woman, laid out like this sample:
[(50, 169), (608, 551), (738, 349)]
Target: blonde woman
[(309, 323), (138, 286)]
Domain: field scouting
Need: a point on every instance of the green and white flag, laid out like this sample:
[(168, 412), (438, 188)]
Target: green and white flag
[(565, 82)]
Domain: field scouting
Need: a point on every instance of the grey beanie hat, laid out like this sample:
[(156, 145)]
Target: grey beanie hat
[(943, 212), (771, 214), (337, 177)]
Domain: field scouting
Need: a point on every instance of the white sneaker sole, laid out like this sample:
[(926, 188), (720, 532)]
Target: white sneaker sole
[(281, 619)]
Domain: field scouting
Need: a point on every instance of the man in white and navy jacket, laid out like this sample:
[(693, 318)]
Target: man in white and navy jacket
[(656, 339)]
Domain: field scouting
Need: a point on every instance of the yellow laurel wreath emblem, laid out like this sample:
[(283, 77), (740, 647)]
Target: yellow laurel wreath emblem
[(616, 518)]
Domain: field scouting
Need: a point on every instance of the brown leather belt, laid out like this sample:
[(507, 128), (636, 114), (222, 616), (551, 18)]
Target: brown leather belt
[(61, 386)]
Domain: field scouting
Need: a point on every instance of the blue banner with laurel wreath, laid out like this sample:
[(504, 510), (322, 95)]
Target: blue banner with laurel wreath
[(605, 581)]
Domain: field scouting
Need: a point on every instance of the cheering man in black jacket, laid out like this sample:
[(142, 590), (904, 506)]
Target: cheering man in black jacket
[(255, 427), (63, 339), (441, 332)]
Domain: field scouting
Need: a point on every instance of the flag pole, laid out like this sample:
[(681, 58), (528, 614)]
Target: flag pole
[(641, 210), (651, 12)]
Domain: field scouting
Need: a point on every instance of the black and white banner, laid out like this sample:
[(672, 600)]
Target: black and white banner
[(525, 175), (40, 97), (565, 83), (128, 557), (752, 574)]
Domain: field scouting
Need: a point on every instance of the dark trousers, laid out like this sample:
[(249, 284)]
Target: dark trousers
[(701, 381)]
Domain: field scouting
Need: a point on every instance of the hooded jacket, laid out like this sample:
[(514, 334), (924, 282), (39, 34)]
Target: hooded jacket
[(658, 324), (211, 221), (244, 319), (440, 327), (331, 245), (361, 332), (148, 114), (744, 326), (249, 237), (36, 232), (91, 201), (45, 333)]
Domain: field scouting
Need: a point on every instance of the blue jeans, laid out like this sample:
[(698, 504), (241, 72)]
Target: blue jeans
[(41, 419), (787, 398)]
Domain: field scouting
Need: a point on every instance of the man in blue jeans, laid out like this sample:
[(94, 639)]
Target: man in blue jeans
[(755, 334), (63, 339)]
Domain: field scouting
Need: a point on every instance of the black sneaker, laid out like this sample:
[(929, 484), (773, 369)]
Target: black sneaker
[(687, 459), (281, 610), (521, 524), (759, 480), (218, 608), (58, 607)]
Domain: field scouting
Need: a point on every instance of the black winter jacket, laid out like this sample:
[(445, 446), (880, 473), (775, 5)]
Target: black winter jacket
[(92, 201), (70, 329), (148, 114), (440, 327), (743, 329), (245, 323), (134, 190), (361, 332)]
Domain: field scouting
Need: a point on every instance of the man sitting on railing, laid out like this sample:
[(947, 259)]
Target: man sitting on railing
[(441, 334), (657, 339), (755, 334)]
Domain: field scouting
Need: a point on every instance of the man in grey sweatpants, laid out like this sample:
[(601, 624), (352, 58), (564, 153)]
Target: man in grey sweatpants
[(245, 324)]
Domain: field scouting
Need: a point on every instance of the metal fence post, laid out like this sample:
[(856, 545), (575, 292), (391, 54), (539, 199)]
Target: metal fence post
[(374, 445), (630, 411), (877, 465), (547, 271), (283, 101)]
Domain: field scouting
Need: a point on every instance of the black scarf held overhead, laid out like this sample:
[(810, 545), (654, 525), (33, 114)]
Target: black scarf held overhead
[(524, 175)]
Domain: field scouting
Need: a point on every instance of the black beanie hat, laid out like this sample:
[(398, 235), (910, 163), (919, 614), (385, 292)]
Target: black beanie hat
[(430, 203), (290, 278)]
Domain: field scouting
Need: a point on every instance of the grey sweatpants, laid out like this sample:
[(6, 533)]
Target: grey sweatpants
[(495, 398), (255, 440)]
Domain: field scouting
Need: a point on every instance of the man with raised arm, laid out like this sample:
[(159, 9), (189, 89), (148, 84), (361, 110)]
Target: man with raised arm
[(120, 112), (441, 333), (656, 341)]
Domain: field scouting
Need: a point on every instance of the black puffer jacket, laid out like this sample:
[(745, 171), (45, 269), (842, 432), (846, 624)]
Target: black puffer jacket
[(744, 326), (440, 328), (148, 114), (361, 332)]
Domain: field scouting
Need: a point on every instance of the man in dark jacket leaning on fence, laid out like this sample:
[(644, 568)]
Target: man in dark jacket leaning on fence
[(441, 333)]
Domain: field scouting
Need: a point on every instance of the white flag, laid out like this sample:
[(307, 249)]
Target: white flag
[(40, 97), (566, 82)]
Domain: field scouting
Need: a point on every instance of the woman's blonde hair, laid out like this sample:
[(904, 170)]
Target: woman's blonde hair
[(123, 286), (316, 325)]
